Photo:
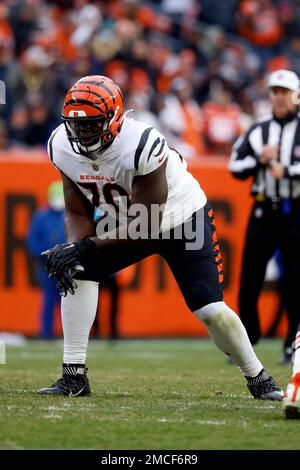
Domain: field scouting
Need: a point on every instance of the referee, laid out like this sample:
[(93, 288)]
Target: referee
[(270, 153)]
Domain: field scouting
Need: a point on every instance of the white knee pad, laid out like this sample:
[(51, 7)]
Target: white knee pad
[(211, 310), (84, 301)]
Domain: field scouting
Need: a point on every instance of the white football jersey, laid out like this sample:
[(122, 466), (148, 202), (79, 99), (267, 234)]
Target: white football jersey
[(137, 150)]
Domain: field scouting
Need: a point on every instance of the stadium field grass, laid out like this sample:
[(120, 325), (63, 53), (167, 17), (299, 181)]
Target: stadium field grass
[(148, 394)]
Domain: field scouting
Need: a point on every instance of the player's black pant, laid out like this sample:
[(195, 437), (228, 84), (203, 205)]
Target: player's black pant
[(199, 272), (270, 228)]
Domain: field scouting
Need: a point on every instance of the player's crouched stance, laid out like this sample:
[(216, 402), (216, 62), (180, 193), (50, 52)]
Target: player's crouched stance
[(105, 157)]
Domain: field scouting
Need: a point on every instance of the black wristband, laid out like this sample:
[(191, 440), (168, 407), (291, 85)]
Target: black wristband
[(87, 248)]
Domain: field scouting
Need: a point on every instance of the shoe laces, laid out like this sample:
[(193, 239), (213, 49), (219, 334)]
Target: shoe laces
[(295, 379), (69, 382), (262, 384)]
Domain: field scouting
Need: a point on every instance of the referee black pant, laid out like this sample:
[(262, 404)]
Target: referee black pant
[(271, 226)]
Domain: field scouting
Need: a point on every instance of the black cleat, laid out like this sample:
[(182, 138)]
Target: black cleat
[(264, 387), (74, 383)]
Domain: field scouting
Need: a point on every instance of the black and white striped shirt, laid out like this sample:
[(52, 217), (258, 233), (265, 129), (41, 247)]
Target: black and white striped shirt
[(244, 160)]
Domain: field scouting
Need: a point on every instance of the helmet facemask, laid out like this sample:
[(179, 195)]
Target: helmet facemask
[(89, 135)]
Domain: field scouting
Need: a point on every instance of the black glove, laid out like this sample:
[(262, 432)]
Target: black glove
[(66, 281), (67, 256)]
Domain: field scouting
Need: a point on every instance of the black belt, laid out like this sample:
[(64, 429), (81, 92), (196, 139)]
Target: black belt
[(283, 205)]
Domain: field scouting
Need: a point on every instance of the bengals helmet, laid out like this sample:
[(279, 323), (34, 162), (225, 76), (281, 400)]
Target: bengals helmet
[(93, 113)]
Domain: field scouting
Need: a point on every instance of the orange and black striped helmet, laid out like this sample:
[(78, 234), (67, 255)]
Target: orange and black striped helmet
[(93, 113)]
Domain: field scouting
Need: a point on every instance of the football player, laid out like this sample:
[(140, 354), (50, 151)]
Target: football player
[(106, 158), (291, 401)]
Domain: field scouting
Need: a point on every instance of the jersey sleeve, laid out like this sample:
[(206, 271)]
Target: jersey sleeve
[(151, 151), (52, 148)]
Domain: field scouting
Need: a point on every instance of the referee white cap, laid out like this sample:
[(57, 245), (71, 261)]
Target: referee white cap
[(285, 79)]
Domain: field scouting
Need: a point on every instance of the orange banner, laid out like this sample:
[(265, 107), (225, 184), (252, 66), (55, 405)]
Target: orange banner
[(151, 303)]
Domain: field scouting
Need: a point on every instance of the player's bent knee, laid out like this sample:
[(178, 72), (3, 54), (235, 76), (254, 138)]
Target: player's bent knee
[(211, 310), (84, 296)]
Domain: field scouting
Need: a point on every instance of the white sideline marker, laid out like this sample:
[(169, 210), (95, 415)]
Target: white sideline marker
[(2, 353)]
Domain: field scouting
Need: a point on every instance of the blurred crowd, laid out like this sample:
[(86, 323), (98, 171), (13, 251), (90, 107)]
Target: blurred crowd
[(195, 69)]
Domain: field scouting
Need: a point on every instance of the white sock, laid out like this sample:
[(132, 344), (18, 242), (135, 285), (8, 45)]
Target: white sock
[(78, 314), (296, 365), (230, 336)]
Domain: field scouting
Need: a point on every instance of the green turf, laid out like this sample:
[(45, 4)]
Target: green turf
[(173, 394)]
